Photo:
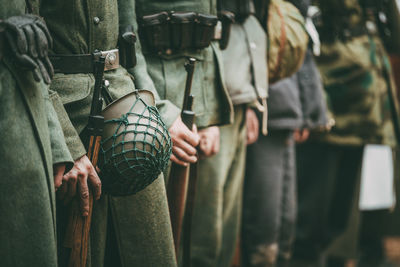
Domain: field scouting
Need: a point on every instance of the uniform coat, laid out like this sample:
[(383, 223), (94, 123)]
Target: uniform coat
[(32, 141), (140, 222)]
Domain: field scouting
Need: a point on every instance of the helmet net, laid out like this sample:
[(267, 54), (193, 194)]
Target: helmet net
[(138, 151)]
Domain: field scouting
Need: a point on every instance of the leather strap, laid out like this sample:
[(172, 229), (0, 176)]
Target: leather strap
[(83, 63), (72, 64)]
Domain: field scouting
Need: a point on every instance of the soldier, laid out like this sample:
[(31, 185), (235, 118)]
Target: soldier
[(130, 230), (170, 32), (219, 189), (33, 149), (270, 206), (353, 66), (294, 104)]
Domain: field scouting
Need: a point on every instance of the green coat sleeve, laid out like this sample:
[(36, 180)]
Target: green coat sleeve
[(71, 137), (59, 149), (127, 16)]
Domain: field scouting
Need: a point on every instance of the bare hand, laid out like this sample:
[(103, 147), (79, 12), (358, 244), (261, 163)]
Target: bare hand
[(82, 173), (209, 141), (184, 143), (300, 136), (58, 172), (253, 126)]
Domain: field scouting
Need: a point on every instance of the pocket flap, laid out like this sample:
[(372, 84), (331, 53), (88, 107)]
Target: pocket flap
[(72, 87)]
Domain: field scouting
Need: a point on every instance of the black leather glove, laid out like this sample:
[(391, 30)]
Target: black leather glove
[(29, 40)]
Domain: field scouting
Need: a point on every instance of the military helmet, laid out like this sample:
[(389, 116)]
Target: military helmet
[(136, 146)]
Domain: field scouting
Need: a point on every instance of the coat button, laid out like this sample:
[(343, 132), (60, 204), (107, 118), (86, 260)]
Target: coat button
[(96, 20)]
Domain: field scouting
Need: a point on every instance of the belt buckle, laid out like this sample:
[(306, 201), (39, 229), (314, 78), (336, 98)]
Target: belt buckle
[(112, 59)]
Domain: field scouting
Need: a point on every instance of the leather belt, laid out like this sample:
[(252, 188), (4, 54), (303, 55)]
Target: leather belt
[(83, 63)]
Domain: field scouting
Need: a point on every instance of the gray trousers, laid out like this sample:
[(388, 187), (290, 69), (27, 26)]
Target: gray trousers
[(269, 203)]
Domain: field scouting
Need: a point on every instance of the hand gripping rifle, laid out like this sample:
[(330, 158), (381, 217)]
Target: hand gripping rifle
[(77, 234), (178, 179)]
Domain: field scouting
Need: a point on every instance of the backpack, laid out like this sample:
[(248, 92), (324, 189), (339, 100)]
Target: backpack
[(288, 40)]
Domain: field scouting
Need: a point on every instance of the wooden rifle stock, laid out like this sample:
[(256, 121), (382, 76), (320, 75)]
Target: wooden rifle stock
[(178, 178), (78, 228)]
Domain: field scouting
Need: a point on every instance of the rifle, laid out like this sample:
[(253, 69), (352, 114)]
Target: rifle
[(187, 224), (77, 233), (178, 179)]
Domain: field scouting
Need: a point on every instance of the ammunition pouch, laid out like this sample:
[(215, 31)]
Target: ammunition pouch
[(205, 30), (227, 18), (167, 32), (240, 8), (229, 12), (182, 27), (126, 45)]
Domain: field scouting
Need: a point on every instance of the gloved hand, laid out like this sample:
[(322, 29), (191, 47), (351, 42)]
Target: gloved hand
[(29, 40)]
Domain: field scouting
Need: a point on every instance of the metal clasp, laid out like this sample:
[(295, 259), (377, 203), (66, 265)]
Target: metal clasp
[(111, 58)]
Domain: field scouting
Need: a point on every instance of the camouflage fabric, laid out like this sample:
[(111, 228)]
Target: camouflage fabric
[(288, 40), (357, 92), (32, 141)]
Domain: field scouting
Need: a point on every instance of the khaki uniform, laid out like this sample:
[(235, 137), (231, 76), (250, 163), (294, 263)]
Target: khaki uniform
[(140, 222), (32, 141)]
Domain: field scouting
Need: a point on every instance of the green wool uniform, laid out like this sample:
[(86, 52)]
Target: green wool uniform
[(32, 141), (219, 190), (212, 106), (140, 223)]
